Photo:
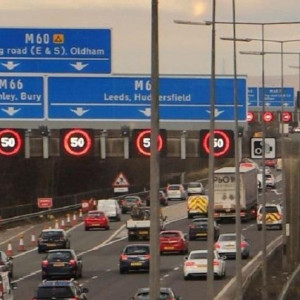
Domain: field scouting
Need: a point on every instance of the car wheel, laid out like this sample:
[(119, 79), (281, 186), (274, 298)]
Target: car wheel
[(107, 228), (259, 227), (11, 273), (39, 250), (123, 270), (280, 227), (191, 238), (44, 277), (123, 211), (186, 277), (189, 216), (86, 228), (245, 256)]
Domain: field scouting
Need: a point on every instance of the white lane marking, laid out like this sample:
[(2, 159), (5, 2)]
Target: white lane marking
[(16, 235), (176, 268), (94, 277), (248, 227)]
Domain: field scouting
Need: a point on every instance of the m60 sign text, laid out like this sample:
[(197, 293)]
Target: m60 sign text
[(141, 142), (76, 142), (223, 143), (11, 142)]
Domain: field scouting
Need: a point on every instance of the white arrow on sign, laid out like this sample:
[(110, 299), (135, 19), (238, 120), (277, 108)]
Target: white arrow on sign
[(217, 112), (268, 103), (11, 110), (10, 65), (79, 111), (79, 65), (146, 111)]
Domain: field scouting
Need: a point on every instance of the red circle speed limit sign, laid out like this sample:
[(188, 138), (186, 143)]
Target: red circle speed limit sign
[(142, 142), (76, 142), (286, 117), (11, 142), (223, 143), (268, 116), (250, 116)]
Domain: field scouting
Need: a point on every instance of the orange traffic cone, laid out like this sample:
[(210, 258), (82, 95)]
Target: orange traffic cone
[(9, 251), (21, 244), (74, 219), (62, 224), (33, 240), (56, 226), (68, 220), (80, 214)]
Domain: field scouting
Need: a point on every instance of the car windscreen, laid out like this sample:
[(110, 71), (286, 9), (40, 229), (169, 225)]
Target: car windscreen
[(174, 188), (54, 292), (59, 256), (269, 209), (137, 250)]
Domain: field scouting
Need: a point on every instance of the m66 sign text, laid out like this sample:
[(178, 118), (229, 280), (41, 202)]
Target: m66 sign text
[(223, 143)]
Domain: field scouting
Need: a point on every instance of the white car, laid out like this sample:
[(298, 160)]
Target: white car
[(111, 208), (195, 187), (226, 246), (196, 264), (176, 191), (273, 216)]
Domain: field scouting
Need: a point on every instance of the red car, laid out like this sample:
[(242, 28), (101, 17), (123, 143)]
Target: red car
[(173, 241), (96, 219), (270, 163)]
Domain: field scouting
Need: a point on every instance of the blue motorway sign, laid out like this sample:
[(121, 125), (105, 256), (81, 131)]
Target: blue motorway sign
[(272, 96), (129, 98), (21, 98), (55, 50)]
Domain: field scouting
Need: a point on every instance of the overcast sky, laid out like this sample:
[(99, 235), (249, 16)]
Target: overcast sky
[(183, 49)]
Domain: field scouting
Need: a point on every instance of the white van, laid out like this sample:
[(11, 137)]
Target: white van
[(110, 207), (6, 287)]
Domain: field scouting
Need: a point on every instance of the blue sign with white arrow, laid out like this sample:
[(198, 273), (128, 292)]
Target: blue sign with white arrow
[(21, 98), (55, 50), (272, 96), (129, 98)]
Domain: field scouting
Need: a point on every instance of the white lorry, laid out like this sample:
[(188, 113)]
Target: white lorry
[(224, 193), (138, 226)]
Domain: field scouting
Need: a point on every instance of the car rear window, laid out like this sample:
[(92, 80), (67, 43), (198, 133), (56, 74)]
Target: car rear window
[(131, 199), (55, 292), (61, 256), (137, 250), (194, 184), (170, 234), (173, 187), (52, 234), (269, 209), (198, 256), (145, 296), (224, 238), (96, 214)]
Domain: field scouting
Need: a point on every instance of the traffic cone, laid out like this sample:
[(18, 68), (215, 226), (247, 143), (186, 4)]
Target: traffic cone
[(21, 244), (62, 224), (56, 226), (68, 220), (9, 251), (33, 240), (80, 214), (74, 219)]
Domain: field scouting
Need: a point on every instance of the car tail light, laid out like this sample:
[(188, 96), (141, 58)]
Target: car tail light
[(242, 214), (243, 245), (1, 263), (45, 263), (72, 262), (216, 263), (216, 215), (124, 257), (189, 263), (62, 239), (217, 246), (147, 256), (192, 226)]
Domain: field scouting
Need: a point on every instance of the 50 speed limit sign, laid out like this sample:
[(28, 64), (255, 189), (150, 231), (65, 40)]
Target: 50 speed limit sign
[(76, 142), (223, 143), (11, 142)]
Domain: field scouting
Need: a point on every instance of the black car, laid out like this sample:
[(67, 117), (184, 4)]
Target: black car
[(60, 289), (165, 294), (62, 263), (198, 229), (135, 257), (53, 239), (6, 264)]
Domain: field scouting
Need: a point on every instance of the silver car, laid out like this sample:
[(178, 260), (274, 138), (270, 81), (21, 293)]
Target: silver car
[(226, 246), (175, 192), (195, 187)]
